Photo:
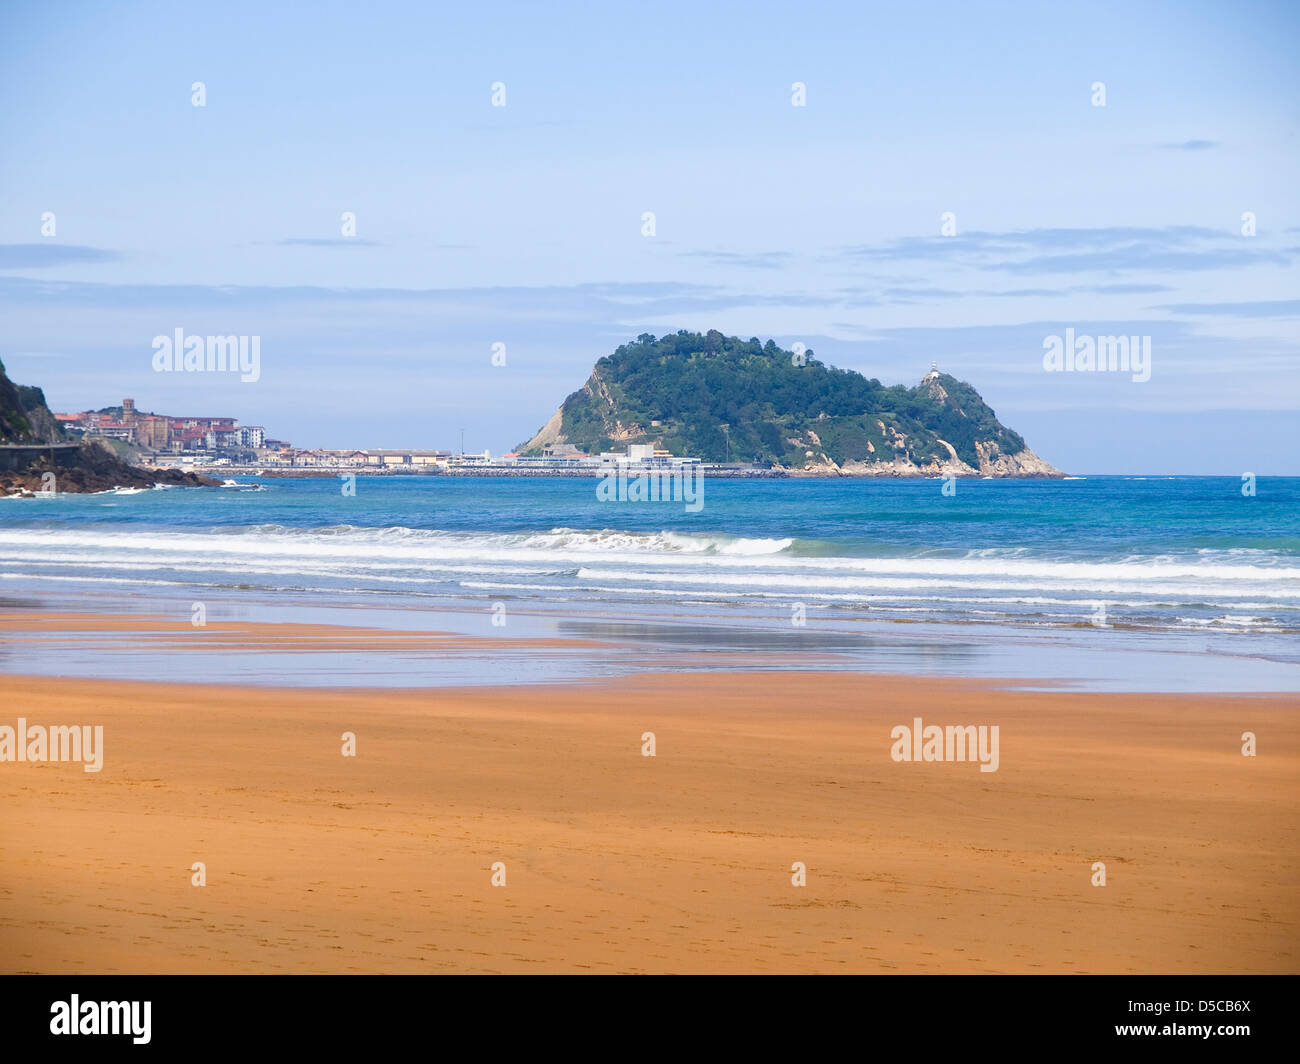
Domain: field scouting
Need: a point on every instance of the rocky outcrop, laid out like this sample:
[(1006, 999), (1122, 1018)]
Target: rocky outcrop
[(90, 468), (24, 417), (1023, 464), (38, 457), (550, 432)]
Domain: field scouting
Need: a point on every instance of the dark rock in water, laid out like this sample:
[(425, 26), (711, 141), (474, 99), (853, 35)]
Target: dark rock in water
[(85, 469)]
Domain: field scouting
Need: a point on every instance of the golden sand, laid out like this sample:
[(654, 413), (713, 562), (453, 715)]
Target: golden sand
[(618, 862)]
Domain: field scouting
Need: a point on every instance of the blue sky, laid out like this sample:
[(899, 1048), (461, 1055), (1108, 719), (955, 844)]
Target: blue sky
[(522, 224)]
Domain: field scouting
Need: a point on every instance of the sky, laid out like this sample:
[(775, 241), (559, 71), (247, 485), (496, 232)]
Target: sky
[(889, 185)]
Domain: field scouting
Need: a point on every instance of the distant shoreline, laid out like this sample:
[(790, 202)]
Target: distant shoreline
[(329, 473)]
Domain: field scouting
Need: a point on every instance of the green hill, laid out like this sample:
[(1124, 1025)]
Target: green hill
[(720, 398)]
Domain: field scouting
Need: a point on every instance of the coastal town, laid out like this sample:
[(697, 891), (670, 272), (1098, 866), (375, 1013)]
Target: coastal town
[(223, 445)]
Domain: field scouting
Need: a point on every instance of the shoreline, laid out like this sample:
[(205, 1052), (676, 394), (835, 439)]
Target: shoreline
[(325, 641), (331, 472), (679, 862)]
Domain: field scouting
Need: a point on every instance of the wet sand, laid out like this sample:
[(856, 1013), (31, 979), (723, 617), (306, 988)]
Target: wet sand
[(681, 862)]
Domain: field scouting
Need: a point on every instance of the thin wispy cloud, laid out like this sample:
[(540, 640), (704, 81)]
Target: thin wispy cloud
[(1126, 289), (42, 256), (328, 242), (1064, 251), (1025, 293), (610, 300), (904, 294), (752, 260), (900, 294), (1266, 308)]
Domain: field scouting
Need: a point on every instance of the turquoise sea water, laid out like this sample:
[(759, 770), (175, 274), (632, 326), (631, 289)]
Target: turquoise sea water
[(1186, 575)]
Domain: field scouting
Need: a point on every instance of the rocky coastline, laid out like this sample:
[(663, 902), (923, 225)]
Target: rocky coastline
[(88, 469)]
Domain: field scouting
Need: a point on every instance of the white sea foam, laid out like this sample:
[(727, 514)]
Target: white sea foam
[(612, 563)]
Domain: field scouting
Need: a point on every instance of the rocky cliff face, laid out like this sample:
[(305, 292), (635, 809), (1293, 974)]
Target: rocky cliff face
[(1024, 464), (992, 459), (24, 417)]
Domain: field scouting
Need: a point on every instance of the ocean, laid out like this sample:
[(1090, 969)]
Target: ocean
[(1146, 583)]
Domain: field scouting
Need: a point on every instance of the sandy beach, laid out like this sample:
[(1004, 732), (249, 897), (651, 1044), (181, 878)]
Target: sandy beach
[(619, 862)]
